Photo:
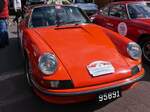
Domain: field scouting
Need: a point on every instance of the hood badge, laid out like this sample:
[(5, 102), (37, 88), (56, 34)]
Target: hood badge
[(98, 68)]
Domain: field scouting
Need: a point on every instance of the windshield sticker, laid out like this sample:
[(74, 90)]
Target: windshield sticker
[(99, 68), (122, 28)]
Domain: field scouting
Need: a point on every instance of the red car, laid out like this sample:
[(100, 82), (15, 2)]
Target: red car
[(130, 19), (69, 59)]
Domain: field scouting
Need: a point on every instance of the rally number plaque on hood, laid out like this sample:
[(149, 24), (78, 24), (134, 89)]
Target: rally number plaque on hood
[(99, 68)]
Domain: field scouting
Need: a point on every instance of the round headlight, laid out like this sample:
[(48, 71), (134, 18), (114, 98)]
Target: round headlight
[(134, 50), (47, 63)]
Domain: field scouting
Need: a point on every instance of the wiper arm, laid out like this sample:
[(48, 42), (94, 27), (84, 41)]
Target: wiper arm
[(70, 22)]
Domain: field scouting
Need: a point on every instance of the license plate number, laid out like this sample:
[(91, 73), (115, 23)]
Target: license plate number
[(109, 95)]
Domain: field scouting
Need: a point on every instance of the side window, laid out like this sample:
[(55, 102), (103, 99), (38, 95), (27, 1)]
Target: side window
[(105, 11), (118, 11), (132, 12)]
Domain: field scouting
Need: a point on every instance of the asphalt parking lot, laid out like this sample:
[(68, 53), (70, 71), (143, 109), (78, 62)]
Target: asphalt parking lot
[(16, 96)]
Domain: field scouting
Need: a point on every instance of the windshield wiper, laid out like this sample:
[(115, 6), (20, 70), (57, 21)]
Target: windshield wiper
[(70, 22), (66, 23)]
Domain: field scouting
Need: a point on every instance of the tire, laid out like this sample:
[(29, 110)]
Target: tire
[(145, 46), (28, 71)]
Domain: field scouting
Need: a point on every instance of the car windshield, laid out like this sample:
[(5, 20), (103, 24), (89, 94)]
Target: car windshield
[(139, 10), (56, 16)]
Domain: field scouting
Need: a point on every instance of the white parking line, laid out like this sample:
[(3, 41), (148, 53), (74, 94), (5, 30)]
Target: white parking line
[(5, 76)]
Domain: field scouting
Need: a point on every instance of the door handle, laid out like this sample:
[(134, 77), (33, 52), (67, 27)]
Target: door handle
[(110, 24)]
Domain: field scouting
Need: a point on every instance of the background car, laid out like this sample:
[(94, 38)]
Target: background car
[(87, 5), (68, 59), (130, 19)]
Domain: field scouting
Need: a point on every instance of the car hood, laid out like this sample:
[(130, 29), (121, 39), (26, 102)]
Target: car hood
[(77, 47), (87, 6)]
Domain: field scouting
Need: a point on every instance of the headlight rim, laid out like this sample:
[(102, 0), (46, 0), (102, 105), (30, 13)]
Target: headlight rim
[(54, 57), (129, 52)]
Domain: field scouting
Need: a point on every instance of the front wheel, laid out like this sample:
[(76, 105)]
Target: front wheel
[(145, 46), (28, 71)]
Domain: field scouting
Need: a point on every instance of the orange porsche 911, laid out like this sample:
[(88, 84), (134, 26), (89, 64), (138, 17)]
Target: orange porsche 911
[(68, 59)]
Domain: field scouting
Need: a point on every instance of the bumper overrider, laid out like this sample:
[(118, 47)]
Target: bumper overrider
[(88, 90)]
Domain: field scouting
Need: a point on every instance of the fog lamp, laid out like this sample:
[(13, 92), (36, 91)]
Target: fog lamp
[(57, 84)]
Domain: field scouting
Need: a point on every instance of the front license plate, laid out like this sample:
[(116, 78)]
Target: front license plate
[(109, 95)]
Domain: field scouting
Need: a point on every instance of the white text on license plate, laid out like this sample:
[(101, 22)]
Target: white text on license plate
[(109, 95)]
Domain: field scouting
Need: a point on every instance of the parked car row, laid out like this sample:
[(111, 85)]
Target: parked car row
[(68, 59)]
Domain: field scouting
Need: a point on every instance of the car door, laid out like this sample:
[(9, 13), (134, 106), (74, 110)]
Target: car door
[(117, 19)]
